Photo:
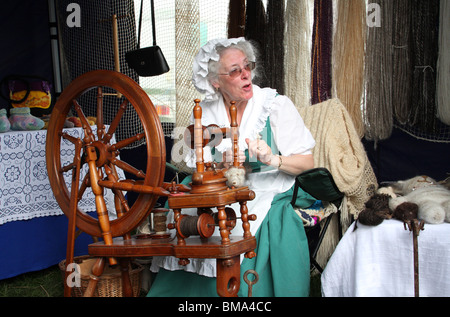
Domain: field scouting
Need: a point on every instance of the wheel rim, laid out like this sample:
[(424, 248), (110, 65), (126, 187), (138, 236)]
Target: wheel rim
[(153, 176)]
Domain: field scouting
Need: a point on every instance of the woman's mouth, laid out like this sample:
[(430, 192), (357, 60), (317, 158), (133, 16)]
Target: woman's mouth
[(247, 87)]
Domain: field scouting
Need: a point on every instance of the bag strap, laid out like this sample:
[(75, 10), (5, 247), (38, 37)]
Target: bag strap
[(139, 27), (153, 23)]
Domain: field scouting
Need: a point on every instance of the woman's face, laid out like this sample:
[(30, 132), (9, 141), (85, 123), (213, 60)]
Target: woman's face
[(237, 88)]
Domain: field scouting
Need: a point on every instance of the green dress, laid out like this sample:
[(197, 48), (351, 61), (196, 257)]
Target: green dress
[(282, 260)]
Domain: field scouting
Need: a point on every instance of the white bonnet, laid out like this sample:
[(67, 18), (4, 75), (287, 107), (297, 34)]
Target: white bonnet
[(200, 68)]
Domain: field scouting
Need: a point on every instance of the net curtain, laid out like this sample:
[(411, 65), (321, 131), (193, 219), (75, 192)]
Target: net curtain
[(90, 47)]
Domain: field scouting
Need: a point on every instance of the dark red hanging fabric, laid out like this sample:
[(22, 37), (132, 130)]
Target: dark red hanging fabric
[(275, 45), (255, 28), (321, 51), (236, 18)]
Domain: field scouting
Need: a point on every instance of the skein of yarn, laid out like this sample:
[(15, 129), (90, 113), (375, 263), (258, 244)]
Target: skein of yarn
[(443, 79), (322, 36), (425, 22), (297, 60), (402, 61), (348, 58), (378, 113)]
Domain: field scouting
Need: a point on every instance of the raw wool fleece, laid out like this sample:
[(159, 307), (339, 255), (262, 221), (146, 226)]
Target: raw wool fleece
[(235, 177), (340, 150), (432, 199)]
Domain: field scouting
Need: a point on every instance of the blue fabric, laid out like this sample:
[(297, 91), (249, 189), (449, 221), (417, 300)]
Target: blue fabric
[(33, 245)]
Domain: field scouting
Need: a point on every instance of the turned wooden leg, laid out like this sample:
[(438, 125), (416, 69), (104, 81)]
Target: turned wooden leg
[(96, 272), (224, 233), (176, 217), (246, 226), (127, 289), (71, 230), (245, 223), (228, 276)]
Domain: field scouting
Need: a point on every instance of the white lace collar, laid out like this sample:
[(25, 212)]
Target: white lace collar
[(253, 121)]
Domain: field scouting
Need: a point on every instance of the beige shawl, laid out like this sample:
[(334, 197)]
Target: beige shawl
[(340, 150)]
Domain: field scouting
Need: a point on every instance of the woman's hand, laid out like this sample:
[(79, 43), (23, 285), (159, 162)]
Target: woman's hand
[(293, 164), (259, 149), (228, 159)]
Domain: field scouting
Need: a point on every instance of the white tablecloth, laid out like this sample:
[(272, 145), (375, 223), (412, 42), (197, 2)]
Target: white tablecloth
[(25, 191), (378, 262)]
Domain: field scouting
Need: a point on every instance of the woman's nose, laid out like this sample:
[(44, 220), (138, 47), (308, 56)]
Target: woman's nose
[(245, 73)]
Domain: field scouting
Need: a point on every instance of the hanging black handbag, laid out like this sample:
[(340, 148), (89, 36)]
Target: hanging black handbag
[(147, 61)]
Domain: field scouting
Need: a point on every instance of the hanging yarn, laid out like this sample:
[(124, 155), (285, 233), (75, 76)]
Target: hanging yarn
[(297, 60), (443, 81), (321, 51), (348, 58), (402, 60), (378, 113), (275, 45), (236, 18), (425, 25), (255, 28)]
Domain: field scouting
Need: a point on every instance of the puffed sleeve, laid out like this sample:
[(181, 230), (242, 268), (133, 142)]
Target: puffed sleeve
[(289, 130)]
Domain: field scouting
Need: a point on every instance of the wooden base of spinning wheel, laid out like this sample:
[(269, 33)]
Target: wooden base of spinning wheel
[(227, 256), (226, 249)]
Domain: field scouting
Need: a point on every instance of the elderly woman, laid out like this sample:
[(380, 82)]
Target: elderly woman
[(275, 146)]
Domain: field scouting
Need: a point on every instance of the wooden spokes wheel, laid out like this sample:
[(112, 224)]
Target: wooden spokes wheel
[(96, 151)]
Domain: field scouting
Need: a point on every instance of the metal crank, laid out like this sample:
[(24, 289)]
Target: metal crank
[(250, 283)]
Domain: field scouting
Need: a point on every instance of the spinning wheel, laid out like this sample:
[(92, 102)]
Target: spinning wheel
[(209, 188), (98, 152)]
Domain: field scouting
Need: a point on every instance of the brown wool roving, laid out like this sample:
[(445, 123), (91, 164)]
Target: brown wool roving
[(406, 212), (375, 211)]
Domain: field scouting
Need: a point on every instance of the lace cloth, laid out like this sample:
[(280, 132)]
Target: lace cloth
[(25, 191)]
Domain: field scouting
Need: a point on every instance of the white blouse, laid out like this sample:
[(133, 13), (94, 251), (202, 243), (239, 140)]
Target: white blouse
[(291, 137)]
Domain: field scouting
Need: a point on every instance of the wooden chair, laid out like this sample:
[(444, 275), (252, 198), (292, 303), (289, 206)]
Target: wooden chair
[(319, 183)]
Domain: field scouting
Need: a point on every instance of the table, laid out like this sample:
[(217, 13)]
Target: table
[(378, 262), (33, 229), (25, 191)]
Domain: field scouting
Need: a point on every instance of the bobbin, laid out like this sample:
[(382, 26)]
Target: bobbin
[(187, 226), (159, 223)]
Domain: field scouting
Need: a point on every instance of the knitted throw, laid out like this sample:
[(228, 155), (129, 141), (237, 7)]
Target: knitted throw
[(339, 149)]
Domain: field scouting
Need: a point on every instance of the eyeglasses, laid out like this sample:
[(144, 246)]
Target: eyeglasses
[(235, 72)]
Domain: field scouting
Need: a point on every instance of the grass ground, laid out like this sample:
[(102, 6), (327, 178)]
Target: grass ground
[(45, 283), (48, 283)]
